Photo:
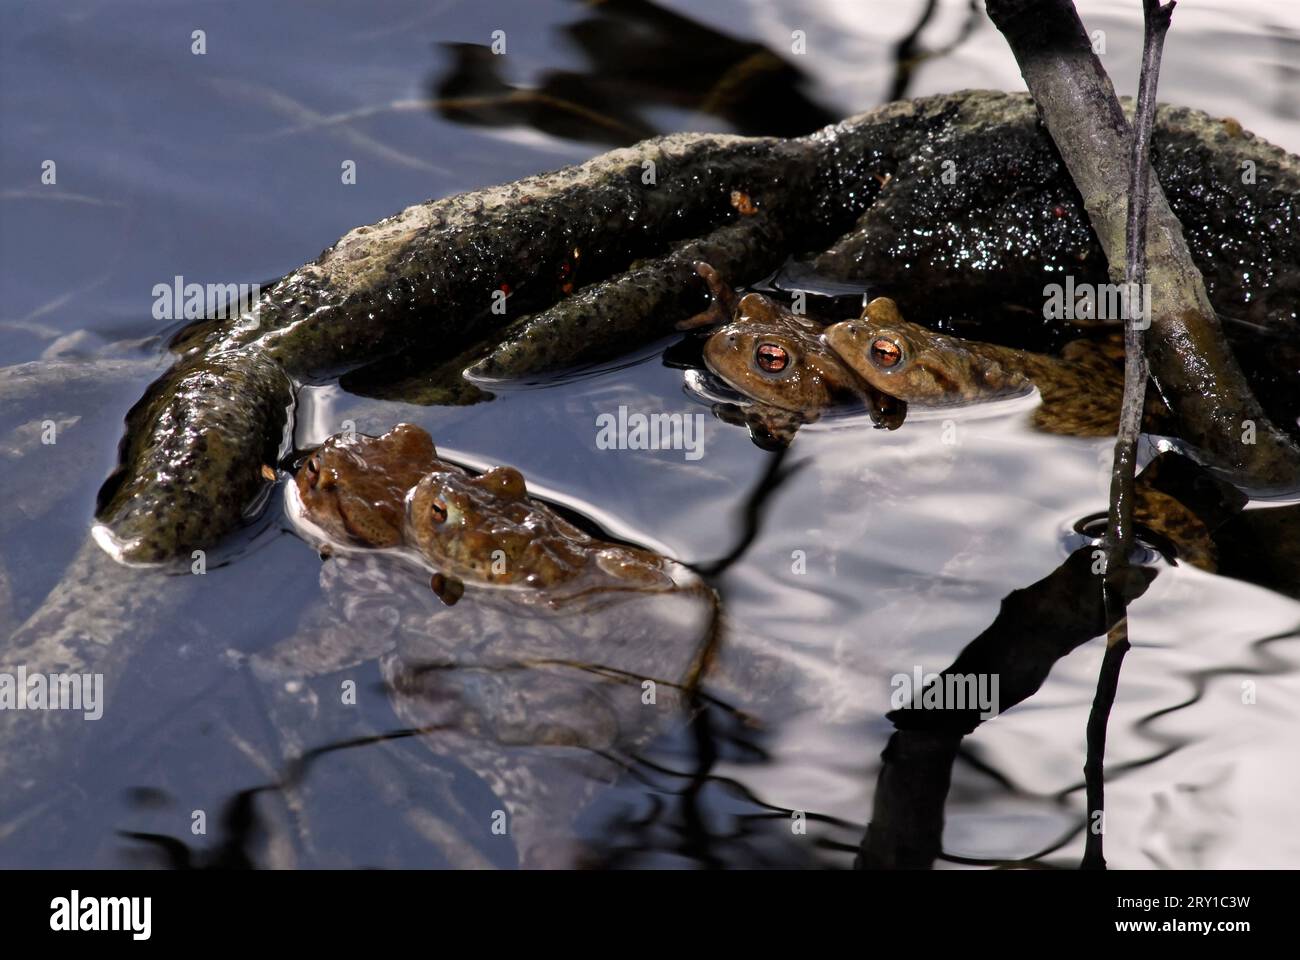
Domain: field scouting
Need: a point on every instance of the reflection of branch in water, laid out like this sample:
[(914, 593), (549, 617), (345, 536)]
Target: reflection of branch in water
[(1288, 76), (773, 477), (697, 843), (277, 102), (690, 688), (1200, 680), (638, 54), (239, 822), (1094, 772), (1034, 628), (684, 828), (909, 54)]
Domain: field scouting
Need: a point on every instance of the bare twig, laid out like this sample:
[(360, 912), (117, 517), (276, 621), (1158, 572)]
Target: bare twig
[(1119, 533)]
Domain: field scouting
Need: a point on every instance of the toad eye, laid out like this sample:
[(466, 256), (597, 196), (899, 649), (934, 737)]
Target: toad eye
[(771, 358), (438, 511), (312, 466), (885, 352)]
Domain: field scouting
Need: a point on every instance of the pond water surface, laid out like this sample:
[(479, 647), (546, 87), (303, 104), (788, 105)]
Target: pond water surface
[(875, 552)]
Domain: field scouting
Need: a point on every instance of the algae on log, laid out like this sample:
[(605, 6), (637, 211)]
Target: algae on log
[(645, 302), (1008, 219), (1191, 362), (433, 270), (427, 277), (198, 440)]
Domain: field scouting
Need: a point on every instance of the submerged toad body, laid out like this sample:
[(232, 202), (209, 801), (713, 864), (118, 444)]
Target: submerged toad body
[(487, 530), (536, 681), (1081, 390), (394, 490)]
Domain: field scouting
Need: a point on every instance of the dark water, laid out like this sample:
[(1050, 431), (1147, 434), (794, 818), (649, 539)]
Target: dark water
[(875, 552)]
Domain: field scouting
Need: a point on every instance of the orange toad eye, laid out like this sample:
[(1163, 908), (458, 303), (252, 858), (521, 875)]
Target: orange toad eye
[(885, 353), (438, 511), (312, 466), (771, 358)]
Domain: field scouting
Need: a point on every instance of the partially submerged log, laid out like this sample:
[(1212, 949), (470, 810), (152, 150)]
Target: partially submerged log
[(431, 277)]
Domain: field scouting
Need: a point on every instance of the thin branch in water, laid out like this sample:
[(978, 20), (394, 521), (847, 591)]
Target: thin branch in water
[(1119, 533)]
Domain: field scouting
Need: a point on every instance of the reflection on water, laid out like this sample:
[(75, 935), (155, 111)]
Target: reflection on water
[(639, 55), (846, 559)]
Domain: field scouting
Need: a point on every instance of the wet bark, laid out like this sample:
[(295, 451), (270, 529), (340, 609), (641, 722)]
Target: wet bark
[(1191, 362)]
